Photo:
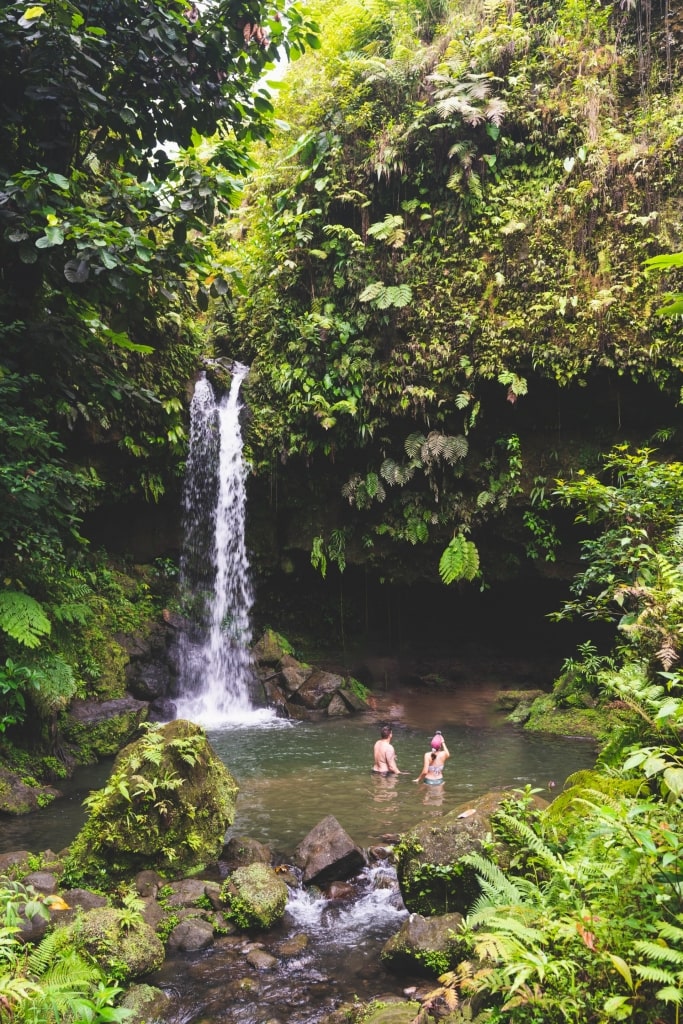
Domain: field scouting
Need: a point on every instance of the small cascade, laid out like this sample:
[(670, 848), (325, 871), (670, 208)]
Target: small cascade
[(216, 673)]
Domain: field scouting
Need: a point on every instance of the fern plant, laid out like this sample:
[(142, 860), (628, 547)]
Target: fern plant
[(23, 618), (459, 561)]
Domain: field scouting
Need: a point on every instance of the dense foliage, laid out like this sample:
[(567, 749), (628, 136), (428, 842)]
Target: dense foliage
[(124, 130), (448, 240)]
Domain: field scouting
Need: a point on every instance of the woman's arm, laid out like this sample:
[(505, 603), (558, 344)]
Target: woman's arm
[(424, 769)]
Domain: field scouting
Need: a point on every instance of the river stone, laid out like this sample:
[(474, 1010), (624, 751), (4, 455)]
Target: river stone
[(426, 946), (260, 960), (16, 797), (294, 945), (191, 935), (131, 952), (241, 850), (328, 854), (167, 806), (255, 895), (147, 1003)]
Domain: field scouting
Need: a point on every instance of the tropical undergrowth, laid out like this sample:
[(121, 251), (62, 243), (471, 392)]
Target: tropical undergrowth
[(454, 224), (586, 922), (49, 980)]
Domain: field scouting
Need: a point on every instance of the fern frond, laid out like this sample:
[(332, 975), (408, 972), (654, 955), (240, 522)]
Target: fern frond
[(543, 852), (650, 973), (659, 952), (459, 561), (23, 618), (491, 874), (413, 445)]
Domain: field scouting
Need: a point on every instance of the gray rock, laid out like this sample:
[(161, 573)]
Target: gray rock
[(191, 935), (328, 854)]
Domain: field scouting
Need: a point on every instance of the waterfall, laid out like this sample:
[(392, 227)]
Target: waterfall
[(216, 673)]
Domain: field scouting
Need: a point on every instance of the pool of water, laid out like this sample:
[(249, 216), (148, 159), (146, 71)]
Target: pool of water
[(292, 774)]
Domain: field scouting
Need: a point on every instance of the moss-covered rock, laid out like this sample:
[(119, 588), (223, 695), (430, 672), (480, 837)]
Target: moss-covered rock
[(18, 797), (431, 875), (586, 723), (255, 895), (147, 1004), (122, 952), (167, 806), (424, 945)]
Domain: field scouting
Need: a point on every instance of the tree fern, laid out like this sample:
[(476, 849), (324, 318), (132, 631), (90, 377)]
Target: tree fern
[(23, 618)]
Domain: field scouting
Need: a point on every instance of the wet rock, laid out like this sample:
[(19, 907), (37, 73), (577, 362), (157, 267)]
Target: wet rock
[(328, 854), (293, 946), (16, 797), (107, 725), (241, 850), (163, 709), (241, 989), (260, 960), (339, 891), (191, 935), (147, 1003), (427, 946), (15, 863), (255, 896), (147, 681)]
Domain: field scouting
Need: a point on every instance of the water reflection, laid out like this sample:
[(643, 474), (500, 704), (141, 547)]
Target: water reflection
[(291, 775)]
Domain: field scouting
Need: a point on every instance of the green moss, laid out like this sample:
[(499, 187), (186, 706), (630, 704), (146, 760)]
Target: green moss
[(255, 896), (587, 723)]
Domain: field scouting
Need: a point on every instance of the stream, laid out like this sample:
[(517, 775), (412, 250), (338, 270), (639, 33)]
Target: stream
[(291, 775)]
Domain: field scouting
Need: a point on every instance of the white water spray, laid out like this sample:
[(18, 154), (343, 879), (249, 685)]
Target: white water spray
[(216, 674)]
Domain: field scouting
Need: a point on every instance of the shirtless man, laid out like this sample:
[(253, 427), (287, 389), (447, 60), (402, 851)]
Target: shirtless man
[(385, 755)]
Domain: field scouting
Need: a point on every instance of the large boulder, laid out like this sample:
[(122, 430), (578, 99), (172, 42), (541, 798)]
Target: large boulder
[(328, 854), (256, 897), (431, 875), (102, 933), (167, 806), (17, 797), (424, 945)]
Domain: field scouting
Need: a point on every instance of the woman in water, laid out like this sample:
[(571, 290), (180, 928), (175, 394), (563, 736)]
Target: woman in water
[(434, 760)]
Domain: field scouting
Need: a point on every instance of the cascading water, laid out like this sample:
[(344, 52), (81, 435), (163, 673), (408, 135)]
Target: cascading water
[(216, 673)]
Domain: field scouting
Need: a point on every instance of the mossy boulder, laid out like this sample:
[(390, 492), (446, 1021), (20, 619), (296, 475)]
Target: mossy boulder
[(256, 897), (122, 952), (431, 875), (18, 797), (424, 945), (146, 1003), (167, 806)]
